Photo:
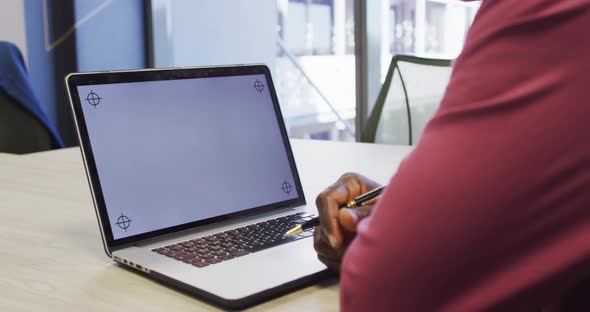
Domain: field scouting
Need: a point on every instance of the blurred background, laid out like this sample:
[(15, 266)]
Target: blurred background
[(329, 58)]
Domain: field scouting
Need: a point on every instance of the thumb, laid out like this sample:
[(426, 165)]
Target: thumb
[(349, 218)]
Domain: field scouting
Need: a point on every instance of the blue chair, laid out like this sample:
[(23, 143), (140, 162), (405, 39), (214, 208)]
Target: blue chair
[(24, 126)]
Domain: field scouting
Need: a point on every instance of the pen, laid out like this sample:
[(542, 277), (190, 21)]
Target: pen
[(360, 200)]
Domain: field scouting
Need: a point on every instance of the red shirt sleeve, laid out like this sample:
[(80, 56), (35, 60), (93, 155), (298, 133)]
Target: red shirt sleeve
[(492, 208)]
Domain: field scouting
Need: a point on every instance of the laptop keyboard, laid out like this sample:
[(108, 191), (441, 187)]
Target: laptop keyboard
[(238, 242)]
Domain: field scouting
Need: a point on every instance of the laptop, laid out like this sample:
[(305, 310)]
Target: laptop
[(193, 180)]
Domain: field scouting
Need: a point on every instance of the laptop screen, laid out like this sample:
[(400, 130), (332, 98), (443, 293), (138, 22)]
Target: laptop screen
[(173, 152)]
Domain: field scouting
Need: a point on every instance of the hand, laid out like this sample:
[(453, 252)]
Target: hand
[(338, 226)]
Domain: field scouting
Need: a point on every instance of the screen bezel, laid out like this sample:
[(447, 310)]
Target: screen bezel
[(81, 79)]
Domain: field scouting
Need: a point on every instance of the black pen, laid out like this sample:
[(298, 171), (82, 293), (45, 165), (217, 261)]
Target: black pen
[(360, 200)]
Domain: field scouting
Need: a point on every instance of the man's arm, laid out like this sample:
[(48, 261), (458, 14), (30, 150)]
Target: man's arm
[(490, 209)]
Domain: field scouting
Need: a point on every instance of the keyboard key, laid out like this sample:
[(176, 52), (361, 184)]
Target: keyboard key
[(191, 260), (214, 248), (181, 257), (202, 251), (207, 256), (238, 253), (212, 261), (200, 264), (186, 256)]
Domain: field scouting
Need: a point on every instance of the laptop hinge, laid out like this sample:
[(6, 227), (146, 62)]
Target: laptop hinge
[(207, 227)]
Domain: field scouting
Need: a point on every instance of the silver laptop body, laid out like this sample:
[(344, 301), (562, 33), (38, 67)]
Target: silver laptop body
[(190, 165)]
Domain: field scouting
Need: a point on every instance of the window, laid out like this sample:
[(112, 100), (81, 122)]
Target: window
[(308, 45), (430, 28)]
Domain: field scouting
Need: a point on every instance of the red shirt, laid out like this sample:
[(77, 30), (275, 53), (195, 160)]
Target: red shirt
[(492, 208)]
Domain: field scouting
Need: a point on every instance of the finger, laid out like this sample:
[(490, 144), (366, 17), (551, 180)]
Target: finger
[(349, 218), (346, 188), (329, 201), (331, 264), (323, 248), (319, 243)]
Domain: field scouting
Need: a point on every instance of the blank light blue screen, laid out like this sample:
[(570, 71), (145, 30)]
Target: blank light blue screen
[(177, 151)]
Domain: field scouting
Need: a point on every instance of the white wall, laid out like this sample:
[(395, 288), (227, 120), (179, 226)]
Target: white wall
[(12, 23)]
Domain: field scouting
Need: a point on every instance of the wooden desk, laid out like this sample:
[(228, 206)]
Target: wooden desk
[(53, 259)]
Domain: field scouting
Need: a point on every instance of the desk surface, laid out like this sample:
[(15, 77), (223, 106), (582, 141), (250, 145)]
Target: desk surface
[(52, 256)]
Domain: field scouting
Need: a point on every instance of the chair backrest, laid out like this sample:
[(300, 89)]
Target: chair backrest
[(24, 126), (409, 97), (20, 131)]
